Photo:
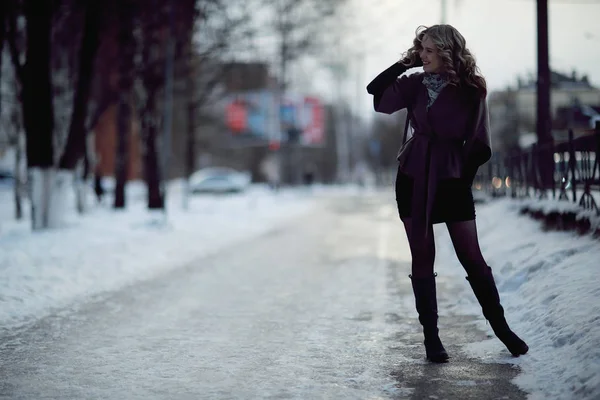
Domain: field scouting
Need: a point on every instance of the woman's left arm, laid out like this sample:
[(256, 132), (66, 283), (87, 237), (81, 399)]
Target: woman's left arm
[(478, 147)]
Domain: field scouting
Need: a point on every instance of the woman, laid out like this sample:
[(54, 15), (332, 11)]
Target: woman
[(448, 113)]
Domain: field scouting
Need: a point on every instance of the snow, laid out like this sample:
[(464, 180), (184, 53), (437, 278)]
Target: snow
[(549, 288), (105, 249), (549, 206), (547, 280)]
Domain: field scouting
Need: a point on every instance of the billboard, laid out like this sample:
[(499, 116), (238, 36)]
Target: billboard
[(237, 118), (250, 113), (313, 126), (253, 113)]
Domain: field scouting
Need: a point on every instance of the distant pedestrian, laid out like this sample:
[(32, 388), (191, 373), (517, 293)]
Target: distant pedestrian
[(308, 177), (448, 113), (98, 187), (270, 167)]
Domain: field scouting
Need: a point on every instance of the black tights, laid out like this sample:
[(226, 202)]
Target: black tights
[(466, 245)]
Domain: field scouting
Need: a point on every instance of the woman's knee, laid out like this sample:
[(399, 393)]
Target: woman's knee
[(423, 256)]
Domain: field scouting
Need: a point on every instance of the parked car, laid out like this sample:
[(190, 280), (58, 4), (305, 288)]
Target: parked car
[(219, 180)]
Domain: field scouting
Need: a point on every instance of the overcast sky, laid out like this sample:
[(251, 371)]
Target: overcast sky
[(502, 34)]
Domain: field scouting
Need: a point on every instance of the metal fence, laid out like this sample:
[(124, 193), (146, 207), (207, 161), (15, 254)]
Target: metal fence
[(566, 171)]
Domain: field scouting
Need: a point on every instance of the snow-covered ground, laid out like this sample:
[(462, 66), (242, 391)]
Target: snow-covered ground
[(549, 286), (547, 280), (549, 206), (105, 249)]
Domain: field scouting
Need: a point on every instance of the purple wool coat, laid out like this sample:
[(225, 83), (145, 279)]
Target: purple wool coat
[(451, 139)]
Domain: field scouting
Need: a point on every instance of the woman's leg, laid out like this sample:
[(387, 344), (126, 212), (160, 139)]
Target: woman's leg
[(423, 257), (466, 244), (423, 284)]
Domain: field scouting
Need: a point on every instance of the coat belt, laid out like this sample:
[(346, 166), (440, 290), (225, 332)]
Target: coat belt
[(425, 187)]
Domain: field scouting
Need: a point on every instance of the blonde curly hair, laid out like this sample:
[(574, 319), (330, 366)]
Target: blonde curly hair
[(459, 63)]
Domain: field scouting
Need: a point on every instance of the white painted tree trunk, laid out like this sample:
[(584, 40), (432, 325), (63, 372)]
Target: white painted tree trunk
[(84, 183), (60, 185), (39, 181), (49, 197), (19, 171), (81, 185)]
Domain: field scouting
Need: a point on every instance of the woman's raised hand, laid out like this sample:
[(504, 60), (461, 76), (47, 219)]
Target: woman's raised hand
[(411, 61)]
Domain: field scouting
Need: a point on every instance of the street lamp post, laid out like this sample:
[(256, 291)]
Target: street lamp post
[(543, 123)]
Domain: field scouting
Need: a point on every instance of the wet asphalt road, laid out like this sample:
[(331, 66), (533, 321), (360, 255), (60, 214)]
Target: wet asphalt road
[(320, 308)]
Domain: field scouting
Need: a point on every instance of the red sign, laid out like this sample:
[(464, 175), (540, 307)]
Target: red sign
[(237, 116), (274, 145), (314, 130)]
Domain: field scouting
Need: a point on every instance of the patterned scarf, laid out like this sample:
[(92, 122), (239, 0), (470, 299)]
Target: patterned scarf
[(434, 84)]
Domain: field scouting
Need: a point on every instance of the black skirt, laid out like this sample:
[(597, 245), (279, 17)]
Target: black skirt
[(453, 199)]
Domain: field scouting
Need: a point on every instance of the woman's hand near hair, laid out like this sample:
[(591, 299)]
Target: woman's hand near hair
[(411, 60), (390, 75)]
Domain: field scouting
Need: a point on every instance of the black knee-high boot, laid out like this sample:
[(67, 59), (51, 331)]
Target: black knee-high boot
[(486, 292), (426, 304)]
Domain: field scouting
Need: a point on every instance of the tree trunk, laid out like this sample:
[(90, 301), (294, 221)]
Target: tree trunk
[(124, 104), (2, 25), (80, 184), (151, 164), (38, 114), (153, 24), (83, 181), (168, 102), (75, 146), (190, 154), (18, 189)]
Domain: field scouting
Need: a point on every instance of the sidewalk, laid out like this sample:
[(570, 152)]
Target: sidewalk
[(548, 281), (105, 249)]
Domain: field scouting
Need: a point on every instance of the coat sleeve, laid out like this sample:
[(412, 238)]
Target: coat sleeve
[(478, 146), (391, 93)]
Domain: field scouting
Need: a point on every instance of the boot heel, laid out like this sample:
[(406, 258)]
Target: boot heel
[(434, 350)]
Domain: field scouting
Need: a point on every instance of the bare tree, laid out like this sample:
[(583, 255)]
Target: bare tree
[(75, 37), (11, 131), (199, 33), (33, 75), (9, 115), (2, 36), (44, 41), (150, 71), (218, 30), (126, 53), (298, 26), (163, 29), (75, 144), (189, 72)]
